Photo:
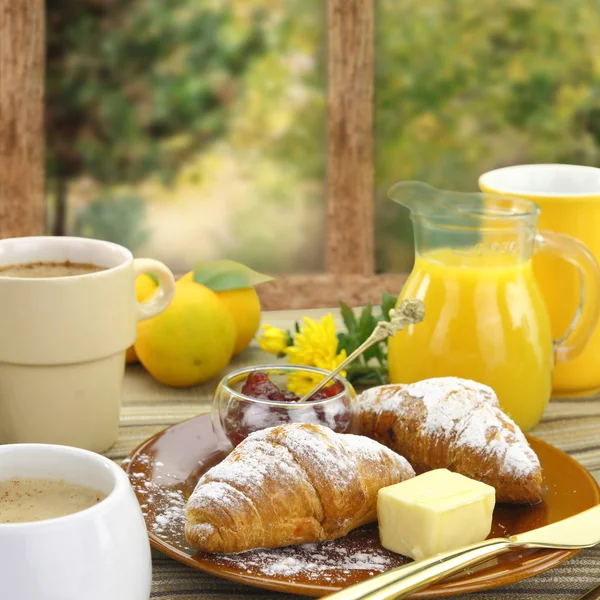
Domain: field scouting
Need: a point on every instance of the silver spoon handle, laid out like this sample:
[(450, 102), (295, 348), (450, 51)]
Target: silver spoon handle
[(367, 344), (410, 312)]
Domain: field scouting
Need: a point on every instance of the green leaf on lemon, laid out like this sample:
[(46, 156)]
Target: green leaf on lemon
[(153, 277), (221, 275)]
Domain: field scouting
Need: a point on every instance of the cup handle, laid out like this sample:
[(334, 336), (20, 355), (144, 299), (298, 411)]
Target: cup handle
[(165, 292), (579, 332)]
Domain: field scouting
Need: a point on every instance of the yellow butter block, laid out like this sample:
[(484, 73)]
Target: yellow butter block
[(433, 513)]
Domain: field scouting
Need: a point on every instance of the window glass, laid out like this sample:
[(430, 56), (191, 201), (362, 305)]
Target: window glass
[(190, 130), (463, 87)]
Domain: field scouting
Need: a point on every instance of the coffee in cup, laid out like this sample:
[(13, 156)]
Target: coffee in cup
[(49, 269), (27, 500)]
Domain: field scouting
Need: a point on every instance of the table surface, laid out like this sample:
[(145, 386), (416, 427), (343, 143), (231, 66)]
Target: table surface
[(570, 424)]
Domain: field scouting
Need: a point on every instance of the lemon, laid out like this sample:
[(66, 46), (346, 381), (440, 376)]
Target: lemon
[(145, 288), (191, 341), (244, 306)]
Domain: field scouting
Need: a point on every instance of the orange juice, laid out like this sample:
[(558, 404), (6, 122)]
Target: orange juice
[(485, 319)]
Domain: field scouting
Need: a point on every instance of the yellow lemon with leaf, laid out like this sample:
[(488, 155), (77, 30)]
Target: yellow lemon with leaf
[(234, 285), (191, 341), (146, 285)]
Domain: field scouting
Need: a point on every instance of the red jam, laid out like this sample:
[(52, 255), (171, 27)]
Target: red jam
[(242, 418), (259, 386)]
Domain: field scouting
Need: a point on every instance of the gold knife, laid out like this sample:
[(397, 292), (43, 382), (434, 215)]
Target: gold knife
[(593, 594), (579, 531)]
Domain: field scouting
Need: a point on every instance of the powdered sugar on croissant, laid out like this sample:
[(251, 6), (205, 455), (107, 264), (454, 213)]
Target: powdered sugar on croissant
[(457, 424), (290, 484)]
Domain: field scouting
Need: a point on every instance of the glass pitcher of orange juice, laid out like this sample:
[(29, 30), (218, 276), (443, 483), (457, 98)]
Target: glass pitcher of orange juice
[(485, 317)]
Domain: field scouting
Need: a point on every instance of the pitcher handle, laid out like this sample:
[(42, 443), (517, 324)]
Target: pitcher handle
[(579, 332)]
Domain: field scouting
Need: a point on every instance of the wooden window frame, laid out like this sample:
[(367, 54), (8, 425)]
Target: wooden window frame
[(350, 261)]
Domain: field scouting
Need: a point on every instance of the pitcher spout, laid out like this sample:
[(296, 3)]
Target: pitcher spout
[(462, 209), (425, 201), (417, 196)]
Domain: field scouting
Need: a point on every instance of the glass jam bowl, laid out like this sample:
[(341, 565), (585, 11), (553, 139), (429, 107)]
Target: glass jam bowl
[(236, 414)]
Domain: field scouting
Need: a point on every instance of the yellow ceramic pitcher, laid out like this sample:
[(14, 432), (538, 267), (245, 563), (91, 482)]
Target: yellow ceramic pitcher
[(486, 318), (569, 196)]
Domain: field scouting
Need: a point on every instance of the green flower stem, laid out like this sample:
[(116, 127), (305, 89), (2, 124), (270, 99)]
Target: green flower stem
[(362, 370)]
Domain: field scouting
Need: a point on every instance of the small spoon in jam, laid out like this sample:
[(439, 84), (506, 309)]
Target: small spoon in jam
[(410, 312)]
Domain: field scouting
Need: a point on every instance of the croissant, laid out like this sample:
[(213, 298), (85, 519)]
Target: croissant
[(290, 484), (455, 424)]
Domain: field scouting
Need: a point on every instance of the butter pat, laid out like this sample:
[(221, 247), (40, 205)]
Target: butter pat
[(433, 513)]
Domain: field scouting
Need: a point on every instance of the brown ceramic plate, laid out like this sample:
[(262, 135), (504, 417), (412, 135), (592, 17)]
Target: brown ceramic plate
[(165, 468)]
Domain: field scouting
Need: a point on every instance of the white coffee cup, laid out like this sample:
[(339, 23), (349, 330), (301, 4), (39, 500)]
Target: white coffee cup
[(63, 340), (99, 553)]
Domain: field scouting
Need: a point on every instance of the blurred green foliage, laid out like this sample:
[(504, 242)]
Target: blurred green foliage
[(463, 87), (187, 93), (211, 94), (135, 87), (118, 219)]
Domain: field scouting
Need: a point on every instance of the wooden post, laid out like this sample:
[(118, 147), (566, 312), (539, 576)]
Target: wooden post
[(350, 259), (350, 203), (350, 193), (22, 50)]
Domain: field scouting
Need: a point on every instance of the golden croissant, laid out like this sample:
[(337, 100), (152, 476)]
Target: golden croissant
[(290, 484), (455, 424)]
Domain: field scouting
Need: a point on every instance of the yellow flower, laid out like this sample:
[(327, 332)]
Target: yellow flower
[(316, 345), (273, 339)]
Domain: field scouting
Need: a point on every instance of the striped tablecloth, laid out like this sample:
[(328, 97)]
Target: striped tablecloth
[(570, 424)]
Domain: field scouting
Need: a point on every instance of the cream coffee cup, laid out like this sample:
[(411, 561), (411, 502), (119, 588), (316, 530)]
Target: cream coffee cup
[(62, 350), (99, 553)]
